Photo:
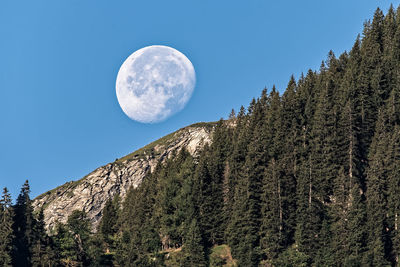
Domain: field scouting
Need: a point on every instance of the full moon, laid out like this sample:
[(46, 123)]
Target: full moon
[(154, 83)]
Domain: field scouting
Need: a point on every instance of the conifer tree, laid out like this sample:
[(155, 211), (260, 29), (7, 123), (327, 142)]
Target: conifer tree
[(79, 226), (309, 213), (376, 196), (6, 228), (210, 175), (64, 244), (23, 228), (324, 143), (271, 232), (235, 162), (311, 178), (138, 236), (389, 56), (371, 95), (253, 173), (42, 247), (108, 225), (288, 139), (193, 247), (394, 193)]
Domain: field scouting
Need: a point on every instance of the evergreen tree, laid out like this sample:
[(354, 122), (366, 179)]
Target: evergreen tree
[(394, 193), (79, 226), (193, 248), (6, 228), (309, 213), (42, 249), (23, 228), (371, 94), (271, 231), (311, 178), (289, 139), (376, 197), (324, 142), (108, 225), (138, 238), (210, 177), (234, 177)]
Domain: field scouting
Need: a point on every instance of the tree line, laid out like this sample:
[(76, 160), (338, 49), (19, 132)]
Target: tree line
[(307, 178)]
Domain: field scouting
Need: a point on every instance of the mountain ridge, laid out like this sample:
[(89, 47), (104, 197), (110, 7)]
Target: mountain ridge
[(91, 192)]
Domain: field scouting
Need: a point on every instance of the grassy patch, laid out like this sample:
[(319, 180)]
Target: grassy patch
[(149, 150), (221, 256), (142, 153), (173, 257)]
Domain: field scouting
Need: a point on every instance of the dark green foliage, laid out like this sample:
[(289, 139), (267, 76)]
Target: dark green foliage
[(43, 253), (108, 220), (6, 230), (307, 178), (79, 226), (64, 244), (293, 258), (394, 191), (31, 246), (272, 238), (108, 225), (74, 244), (210, 177), (193, 248), (23, 228)]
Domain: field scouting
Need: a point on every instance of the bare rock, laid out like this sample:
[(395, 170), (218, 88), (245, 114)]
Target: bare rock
[(92, 191)]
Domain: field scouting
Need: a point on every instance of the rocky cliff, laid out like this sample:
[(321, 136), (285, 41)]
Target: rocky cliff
[(92, 191)]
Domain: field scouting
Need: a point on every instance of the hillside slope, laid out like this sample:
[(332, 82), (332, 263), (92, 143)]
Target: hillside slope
[(92, 191)]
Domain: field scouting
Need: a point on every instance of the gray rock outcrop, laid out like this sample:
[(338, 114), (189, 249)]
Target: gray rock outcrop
[(92, 191)]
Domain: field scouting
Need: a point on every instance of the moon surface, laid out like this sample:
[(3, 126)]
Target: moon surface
[(154, 83)]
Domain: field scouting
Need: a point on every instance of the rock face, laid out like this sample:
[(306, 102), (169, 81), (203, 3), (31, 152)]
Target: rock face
[(92, 191)]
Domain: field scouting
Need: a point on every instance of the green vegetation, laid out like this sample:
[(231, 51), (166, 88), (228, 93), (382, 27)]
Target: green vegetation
[(307, 178), (221, 256), (142, 153), (149, 150)]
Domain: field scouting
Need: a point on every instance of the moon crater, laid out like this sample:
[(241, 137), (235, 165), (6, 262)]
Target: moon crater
[(154, 83)]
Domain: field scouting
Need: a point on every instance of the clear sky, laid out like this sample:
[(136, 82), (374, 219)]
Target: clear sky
[(59, 115)]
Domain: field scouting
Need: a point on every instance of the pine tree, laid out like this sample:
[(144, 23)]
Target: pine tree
[(310, 212), (325, 256), (356, 241), (348, 213), (210, 175), (64, 244), (371, 95), (79, 226), (307, 179), (233, 178), (108, 224), (376, 196), (253, 173), (42, 248), (169, 199), (289, 138), (389, 63), (6, 229), (193, 247), (271, 231), (23, 228), (140, 221), (324, 142), (394, 193)]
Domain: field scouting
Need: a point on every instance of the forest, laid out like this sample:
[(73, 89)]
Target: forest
[(309, 177)]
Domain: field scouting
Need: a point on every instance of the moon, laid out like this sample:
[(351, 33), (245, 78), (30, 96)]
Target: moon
[(154, 83)]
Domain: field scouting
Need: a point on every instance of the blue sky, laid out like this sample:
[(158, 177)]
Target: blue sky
[(60, 117)]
